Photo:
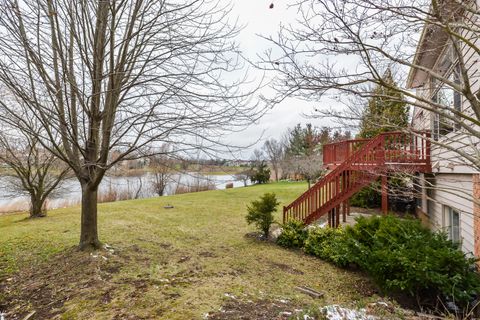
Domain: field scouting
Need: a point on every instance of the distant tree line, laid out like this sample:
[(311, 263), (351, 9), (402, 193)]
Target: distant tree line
[(296, 156)]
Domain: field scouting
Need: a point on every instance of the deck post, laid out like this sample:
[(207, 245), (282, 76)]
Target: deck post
[(330, 218), (337, 216), (384, 193), (344, 211)]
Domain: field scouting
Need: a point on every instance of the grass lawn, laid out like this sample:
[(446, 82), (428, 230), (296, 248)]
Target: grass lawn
[(178, 263)]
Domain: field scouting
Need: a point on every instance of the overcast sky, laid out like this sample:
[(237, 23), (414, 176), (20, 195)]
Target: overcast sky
[(258, 18)]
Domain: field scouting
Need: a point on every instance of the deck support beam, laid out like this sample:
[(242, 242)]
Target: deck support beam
[(384, 194), (337, 216)]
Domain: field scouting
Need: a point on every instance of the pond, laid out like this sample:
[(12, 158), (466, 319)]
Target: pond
[(115, 188)]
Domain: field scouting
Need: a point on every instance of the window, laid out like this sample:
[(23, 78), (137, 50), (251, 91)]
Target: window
[(445, 95), (452, 223)]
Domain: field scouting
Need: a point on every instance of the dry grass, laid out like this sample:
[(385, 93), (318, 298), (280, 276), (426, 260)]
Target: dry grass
[(178, 263), (198, 185)]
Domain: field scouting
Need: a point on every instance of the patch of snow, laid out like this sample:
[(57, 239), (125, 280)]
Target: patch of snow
[(319, 225), (335, 312), (229, 295), (109, 248), (275, 233)]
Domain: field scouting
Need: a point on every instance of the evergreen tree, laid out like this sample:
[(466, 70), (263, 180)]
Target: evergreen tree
[(386, 111), (260, 173), (302, 141)]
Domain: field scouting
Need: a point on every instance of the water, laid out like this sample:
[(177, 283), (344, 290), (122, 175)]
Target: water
[(119, 187)]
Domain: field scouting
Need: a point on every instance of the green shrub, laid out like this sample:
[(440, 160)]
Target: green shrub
[(260, 212), (293, 235), (402, 255), (367, 197), (260, 173), (329, 244), (364, 230)]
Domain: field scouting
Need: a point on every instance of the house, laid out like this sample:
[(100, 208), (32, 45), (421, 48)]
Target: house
[(441, 153), (448, 193)]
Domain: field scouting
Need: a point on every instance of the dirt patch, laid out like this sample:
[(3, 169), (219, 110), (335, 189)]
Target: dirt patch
[(255, 235), (125, 316), (258, 236), (207, 254), (163, 245), (286, 268), (106, 297), (184, 259), (261, 309), (44, 287)]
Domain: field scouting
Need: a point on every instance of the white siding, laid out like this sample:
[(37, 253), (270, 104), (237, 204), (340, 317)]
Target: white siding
[(455, 191), (451, 172)]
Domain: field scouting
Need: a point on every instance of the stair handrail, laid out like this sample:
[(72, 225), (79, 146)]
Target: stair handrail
[(354, 156)]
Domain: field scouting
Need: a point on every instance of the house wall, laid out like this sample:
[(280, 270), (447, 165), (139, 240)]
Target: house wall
[(456, 180), (455, 191)]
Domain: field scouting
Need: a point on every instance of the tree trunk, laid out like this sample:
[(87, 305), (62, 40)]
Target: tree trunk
[(36, 207), (89, 233)]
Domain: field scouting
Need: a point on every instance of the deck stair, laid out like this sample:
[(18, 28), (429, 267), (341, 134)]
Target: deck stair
[(354, 164)]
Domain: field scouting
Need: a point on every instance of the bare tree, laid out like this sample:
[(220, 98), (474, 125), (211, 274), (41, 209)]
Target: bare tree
[(257, 156), (309, 166), (31, 170), (244, 176), (120, 75), (274, 152), (162, 172)]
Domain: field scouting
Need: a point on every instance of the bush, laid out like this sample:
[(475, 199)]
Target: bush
[(402, 255), (399, 254), (328, 244), (367, 197), (260, 212), (260, 174), (293, 235)]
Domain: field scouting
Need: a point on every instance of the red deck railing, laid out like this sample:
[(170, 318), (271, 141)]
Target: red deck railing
[(398, 147), (336, 153), (355, 164)]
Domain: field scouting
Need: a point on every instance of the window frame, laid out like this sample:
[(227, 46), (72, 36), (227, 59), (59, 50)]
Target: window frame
[(454, 232), (452, 68)]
